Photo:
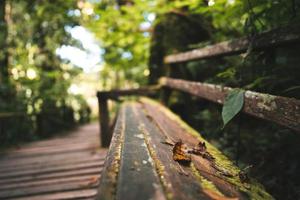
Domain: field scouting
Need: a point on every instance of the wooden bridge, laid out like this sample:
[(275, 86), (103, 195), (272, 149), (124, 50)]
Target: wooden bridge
[(65, 167), (152, 153), (147, 129)]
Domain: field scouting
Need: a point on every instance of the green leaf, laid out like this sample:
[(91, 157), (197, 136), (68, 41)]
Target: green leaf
[(233, 104)]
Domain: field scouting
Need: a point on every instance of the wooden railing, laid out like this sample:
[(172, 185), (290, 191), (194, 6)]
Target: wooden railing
[(104, 96), (281, 110), (274, 38)]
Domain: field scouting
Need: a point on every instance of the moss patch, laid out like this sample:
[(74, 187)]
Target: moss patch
[(255, 191), (160, 169)]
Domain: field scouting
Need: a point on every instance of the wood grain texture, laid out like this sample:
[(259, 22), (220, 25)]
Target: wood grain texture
[(281, 110), (76, 194), (108, 182), (115, 94), (226, 186), (174, 132), (65, 167), (137, 177), (141, 166), (179, 182), (273, 38), (103, 98)]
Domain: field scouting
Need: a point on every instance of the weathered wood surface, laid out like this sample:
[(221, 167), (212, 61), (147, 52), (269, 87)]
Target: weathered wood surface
[(112, 162), (65, 167), (115, 94), (105, 132), (103, 98), (83, 194), (281, 110), (137, 178), (140, 165), (273, 38)]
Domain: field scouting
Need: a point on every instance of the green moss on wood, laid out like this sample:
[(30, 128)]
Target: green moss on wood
[(255, 191), (205, 184), (160, 169)]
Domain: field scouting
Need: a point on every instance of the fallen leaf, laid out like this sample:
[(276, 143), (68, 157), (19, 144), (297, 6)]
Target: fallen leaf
[(180, 153)]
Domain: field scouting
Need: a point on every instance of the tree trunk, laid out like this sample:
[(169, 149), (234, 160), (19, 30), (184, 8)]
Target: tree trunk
[(3, 44)]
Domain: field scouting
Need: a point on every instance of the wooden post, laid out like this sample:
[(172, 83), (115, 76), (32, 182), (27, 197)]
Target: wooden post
[(104, 96), (105, 134)]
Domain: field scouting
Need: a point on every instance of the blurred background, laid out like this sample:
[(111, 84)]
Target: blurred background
[(55, 55)]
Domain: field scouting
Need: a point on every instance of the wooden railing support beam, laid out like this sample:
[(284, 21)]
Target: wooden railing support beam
[(281, 110), (105, 134), (274, 38), (104, 96)]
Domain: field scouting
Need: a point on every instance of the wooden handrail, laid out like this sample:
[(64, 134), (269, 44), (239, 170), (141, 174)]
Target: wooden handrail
[(104, 96), (114, 94), (273, 38), (282, 110)]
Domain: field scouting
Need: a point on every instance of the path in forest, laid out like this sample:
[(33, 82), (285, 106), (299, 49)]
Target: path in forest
[(64, 167)]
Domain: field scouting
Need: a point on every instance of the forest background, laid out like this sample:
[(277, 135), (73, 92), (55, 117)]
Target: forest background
[(38, 84)]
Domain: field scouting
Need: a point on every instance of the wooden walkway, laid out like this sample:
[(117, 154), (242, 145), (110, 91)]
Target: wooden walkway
[(65, 167)]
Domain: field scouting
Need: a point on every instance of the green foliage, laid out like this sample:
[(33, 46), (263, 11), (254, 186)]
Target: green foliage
[(38, 80), (233, 104), (274, 71), (124, 40), (176, 28)]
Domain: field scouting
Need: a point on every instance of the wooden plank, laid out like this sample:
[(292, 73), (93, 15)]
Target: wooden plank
[(69, 173), (137, 178), (179, 182), (115, 94), (50, 164), (174, 132), (63, 140), (79, 135), (49, 170), (175, 129), (108, 181), (92, 143), (64, 167), (77, 194), (281, 110), (103, 98), (49, 182), (51, 152), (44, 159), (57, 143), (273, 38), (54, 188)]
